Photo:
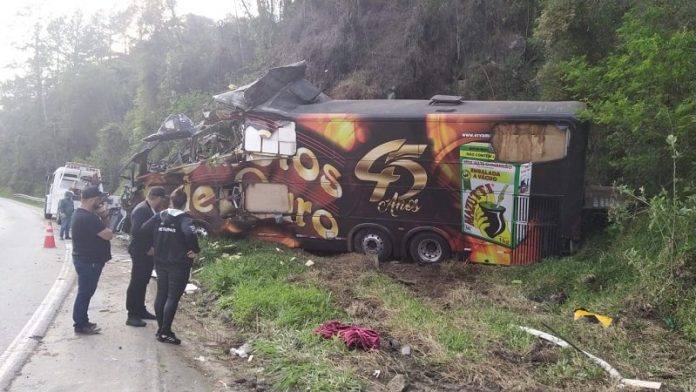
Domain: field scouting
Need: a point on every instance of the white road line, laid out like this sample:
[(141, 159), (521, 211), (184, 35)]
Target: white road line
[(13, 359)]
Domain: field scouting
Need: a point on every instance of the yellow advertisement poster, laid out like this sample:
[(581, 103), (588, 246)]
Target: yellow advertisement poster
[(491, 195)]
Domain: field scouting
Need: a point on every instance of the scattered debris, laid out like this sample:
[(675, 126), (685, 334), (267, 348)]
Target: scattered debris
[(190, 288), (198, 270), (406, 350), (293, 258), (670, 323), (592, 317), (376, 373), (309, 263), (226, 317), (353, 336), (602, 363), (516, 281), (397, 384), (250, 358), (201, 359), (242, 351), (553, 298)]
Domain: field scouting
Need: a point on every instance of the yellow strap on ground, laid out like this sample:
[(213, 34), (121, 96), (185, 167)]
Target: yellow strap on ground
[(604, 320)]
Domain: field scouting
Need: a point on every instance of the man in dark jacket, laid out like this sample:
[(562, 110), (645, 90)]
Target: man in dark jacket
[(141, 269), (171, 234), (66, 207)]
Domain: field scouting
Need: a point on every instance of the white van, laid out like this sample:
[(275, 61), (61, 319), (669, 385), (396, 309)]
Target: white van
[(73, 177)]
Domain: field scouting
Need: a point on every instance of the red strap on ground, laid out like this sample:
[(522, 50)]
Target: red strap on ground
[(352, 335)]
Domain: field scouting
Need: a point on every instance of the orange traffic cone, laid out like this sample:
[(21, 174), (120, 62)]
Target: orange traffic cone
[(49, 241)]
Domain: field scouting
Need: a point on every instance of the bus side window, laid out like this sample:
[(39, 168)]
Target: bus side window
[(530, 142), (279, 141)]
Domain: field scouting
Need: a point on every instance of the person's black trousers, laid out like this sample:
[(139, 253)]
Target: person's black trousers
[(171, 283), (141, 271)]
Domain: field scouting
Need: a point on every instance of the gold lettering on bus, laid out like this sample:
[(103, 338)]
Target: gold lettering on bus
[(303, 207), (250, 170), (307, 173), (395, 204), (203, 199), (394, 154), (329, 181), (319, 227), (283, 164)]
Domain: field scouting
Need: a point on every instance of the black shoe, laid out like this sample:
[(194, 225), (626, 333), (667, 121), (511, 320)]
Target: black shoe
[(168, 338), (135, 322), (145, 315), (93, 325), (88, 329), (68, 238)]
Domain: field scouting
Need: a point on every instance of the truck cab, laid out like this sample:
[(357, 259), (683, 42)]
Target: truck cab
[(73, 177)]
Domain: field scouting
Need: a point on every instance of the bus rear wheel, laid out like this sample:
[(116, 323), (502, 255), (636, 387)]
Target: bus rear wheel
[(428, 248), (373, 242)]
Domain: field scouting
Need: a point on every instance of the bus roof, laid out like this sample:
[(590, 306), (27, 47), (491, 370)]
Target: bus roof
[(284, 92), (403, 108)]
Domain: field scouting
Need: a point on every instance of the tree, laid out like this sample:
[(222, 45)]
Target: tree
[(640, 93)]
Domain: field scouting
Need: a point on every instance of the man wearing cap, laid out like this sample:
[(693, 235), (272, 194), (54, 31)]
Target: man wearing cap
[(91, 250), (142, 262)]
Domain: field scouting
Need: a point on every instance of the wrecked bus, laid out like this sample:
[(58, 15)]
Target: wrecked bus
[(495, 182)]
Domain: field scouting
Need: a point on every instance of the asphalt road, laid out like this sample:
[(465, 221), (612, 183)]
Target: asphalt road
[(121, 358), (28, 270)]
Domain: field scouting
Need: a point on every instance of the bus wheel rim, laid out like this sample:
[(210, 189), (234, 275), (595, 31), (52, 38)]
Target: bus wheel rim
[(429, 251), (373, 244)]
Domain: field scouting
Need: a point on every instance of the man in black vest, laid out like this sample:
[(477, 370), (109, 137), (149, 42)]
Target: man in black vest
[(141, 270), (91, 250)]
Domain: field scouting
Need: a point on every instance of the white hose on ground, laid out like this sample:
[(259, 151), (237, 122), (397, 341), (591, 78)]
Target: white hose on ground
[(599, 361)]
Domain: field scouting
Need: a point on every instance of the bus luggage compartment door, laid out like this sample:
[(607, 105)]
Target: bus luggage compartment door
[(267, 198)]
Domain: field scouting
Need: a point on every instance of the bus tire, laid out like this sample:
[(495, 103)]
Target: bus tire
[(202, 227), (428, 248), (373, 242)]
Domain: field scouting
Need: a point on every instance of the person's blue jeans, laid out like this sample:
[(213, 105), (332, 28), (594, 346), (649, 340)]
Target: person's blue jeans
[(87, 279), (65, 228)]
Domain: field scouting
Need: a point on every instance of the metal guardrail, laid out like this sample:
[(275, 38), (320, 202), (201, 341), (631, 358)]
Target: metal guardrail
[(32, 198)]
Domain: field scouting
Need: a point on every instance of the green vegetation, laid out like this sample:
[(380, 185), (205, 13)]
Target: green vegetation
[(639, 94), (6, 193), (463, 320), (254, 280)]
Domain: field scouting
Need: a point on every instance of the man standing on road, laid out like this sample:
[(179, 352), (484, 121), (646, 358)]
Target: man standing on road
[(91, 250), (142, 261), (66, 207), (172, 235)]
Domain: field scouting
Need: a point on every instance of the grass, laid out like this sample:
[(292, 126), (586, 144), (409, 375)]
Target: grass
[(9, 195), (412, 318), (467, 332), (255, 280)]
